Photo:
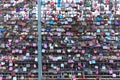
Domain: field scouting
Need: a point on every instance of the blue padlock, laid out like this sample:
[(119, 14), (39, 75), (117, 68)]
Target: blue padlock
[(18, 9), (116, 38), (69, 19), (59, 5), (2, 30), (60, 16), (43, 2), (47, 30), (31, 37), (51, 22), (98, 18)]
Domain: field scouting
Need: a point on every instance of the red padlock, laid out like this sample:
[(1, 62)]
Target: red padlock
[(56, 18), (52, 4), (107, 1)]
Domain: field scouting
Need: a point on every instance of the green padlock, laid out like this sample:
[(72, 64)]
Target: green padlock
[(70, 75), (87, 4)]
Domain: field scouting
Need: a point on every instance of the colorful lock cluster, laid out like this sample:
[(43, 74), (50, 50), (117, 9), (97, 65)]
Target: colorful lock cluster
[(80, 39), (18, 40)]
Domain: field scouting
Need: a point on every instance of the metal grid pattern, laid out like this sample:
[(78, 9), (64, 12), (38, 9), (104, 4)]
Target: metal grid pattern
[(18, 40), (80, 39)]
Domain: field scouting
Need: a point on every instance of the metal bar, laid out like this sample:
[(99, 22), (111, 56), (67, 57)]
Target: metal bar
[(39, 42)]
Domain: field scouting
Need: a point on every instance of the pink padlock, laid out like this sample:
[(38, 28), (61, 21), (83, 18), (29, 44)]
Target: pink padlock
[(24, 47), (26, 17), (73, 47), (63, 51), (34, 44), (72, 65), (56, 18), (16, 41), (49, 38), (13, 51), (110, 71), (9, 43), (70, 61), (83, 75), (44, 67), (97, 72), (1, 78), (74, 77), (10, 68), (17, 50), (20, 51), (68, 33), (45, 46), (117, 54), (107, 1), (52, 4), (83, 51), (23, 36), (57, 69), (6, 57)]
